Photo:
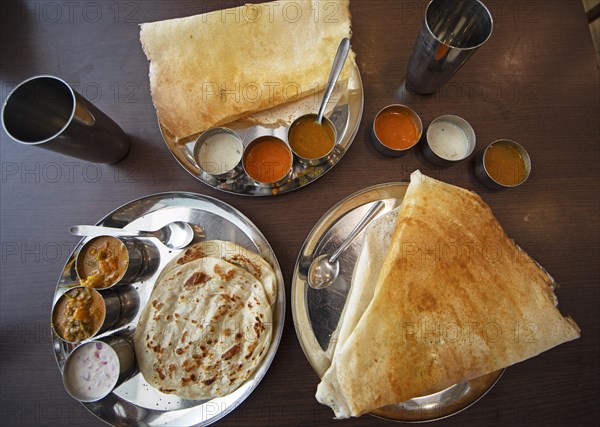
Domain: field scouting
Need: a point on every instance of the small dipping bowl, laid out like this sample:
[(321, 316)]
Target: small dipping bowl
[(450, 139), (105, 261), (503, 164), (268, 161), (396, 129), (312, 143), (95, 368), (82, 313), (218, 152)]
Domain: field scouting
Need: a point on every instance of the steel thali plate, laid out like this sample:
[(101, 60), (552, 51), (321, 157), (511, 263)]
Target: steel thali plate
[(346, 115), (316, 313), (135, 402)]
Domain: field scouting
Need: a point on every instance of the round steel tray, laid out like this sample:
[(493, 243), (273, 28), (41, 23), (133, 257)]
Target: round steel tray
[(135, 402)]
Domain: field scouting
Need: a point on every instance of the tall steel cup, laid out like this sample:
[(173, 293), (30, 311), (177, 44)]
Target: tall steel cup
[(46, 112), (451, 33)]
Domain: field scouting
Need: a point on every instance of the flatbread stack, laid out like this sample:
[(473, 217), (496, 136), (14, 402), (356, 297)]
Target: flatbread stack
[(211, 69), (455, 299), (208, 323)]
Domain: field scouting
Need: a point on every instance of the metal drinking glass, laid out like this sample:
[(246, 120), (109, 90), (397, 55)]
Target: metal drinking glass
[(45, 111), (452, 31)]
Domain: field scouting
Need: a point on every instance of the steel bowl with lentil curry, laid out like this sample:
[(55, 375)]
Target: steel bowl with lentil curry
[(78, 314)]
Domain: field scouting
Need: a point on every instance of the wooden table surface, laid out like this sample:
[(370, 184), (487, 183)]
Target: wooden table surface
[(536, 81)]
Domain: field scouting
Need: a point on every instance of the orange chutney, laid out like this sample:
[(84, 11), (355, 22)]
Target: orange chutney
[(310, 139), (397, 130), (505, 164), (268, 160)]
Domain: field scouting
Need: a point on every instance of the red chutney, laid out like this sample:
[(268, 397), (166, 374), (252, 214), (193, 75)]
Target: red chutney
[(268, 161), (397, 130)]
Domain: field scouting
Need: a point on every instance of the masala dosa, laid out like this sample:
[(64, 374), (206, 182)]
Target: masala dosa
[(455, 300), (211, 69)]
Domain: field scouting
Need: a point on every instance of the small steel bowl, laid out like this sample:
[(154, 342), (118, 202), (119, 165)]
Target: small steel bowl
[(117, 349), (112, 311), (482, 171), (136, 259), (252, 169), (221, 169), (318, 160), (454, 123), (390, 151)]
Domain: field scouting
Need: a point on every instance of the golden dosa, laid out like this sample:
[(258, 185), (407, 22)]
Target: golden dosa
[(211, 69), (456, 299)]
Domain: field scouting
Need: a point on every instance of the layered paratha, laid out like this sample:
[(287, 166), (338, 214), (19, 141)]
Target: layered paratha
[(231, 252), (205, 330), (211, 69), (455, 299)]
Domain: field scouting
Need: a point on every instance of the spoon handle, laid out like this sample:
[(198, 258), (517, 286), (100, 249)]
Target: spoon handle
[(366, 220), (96, 230), (336, 69)]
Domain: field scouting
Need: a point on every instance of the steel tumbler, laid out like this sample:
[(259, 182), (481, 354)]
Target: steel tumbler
[(45, 111), (452, 31)]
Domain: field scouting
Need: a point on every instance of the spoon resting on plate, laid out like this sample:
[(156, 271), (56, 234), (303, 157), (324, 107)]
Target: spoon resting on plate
[(175, 235), (325, 268)]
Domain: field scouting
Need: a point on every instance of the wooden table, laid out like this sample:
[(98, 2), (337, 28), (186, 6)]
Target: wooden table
[(535, 81)]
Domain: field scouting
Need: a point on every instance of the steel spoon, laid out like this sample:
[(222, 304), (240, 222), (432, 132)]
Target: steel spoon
[(336, 69), (325, 268), (175, 235)]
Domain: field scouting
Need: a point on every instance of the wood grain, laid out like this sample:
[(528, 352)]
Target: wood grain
[(536, 81)]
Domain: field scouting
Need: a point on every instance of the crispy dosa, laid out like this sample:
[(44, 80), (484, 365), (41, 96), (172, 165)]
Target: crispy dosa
[(211, 69), (205, 330), (455, 300)]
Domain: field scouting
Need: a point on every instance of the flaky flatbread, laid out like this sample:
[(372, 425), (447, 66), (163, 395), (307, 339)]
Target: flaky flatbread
[(456, 299), (205, 330), (211, 69), (231, 252)]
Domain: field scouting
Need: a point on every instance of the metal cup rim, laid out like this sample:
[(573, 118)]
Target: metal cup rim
[(96, 332), (317, 160), (51, 138), (467, 125), (413, 113), (522, 150), (118, 280), (69, 358), (489, 14), (276, 183), (231, 173)]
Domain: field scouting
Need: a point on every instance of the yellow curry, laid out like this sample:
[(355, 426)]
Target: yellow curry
[(102, 262), (78, 314)]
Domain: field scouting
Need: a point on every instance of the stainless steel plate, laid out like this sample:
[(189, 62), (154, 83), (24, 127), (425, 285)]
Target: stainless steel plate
[(135, 402), (317, 312), (346, 116)]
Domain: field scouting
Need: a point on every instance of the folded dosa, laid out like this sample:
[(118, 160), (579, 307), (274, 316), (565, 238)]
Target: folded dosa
[(211, 69), (455, 300)]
